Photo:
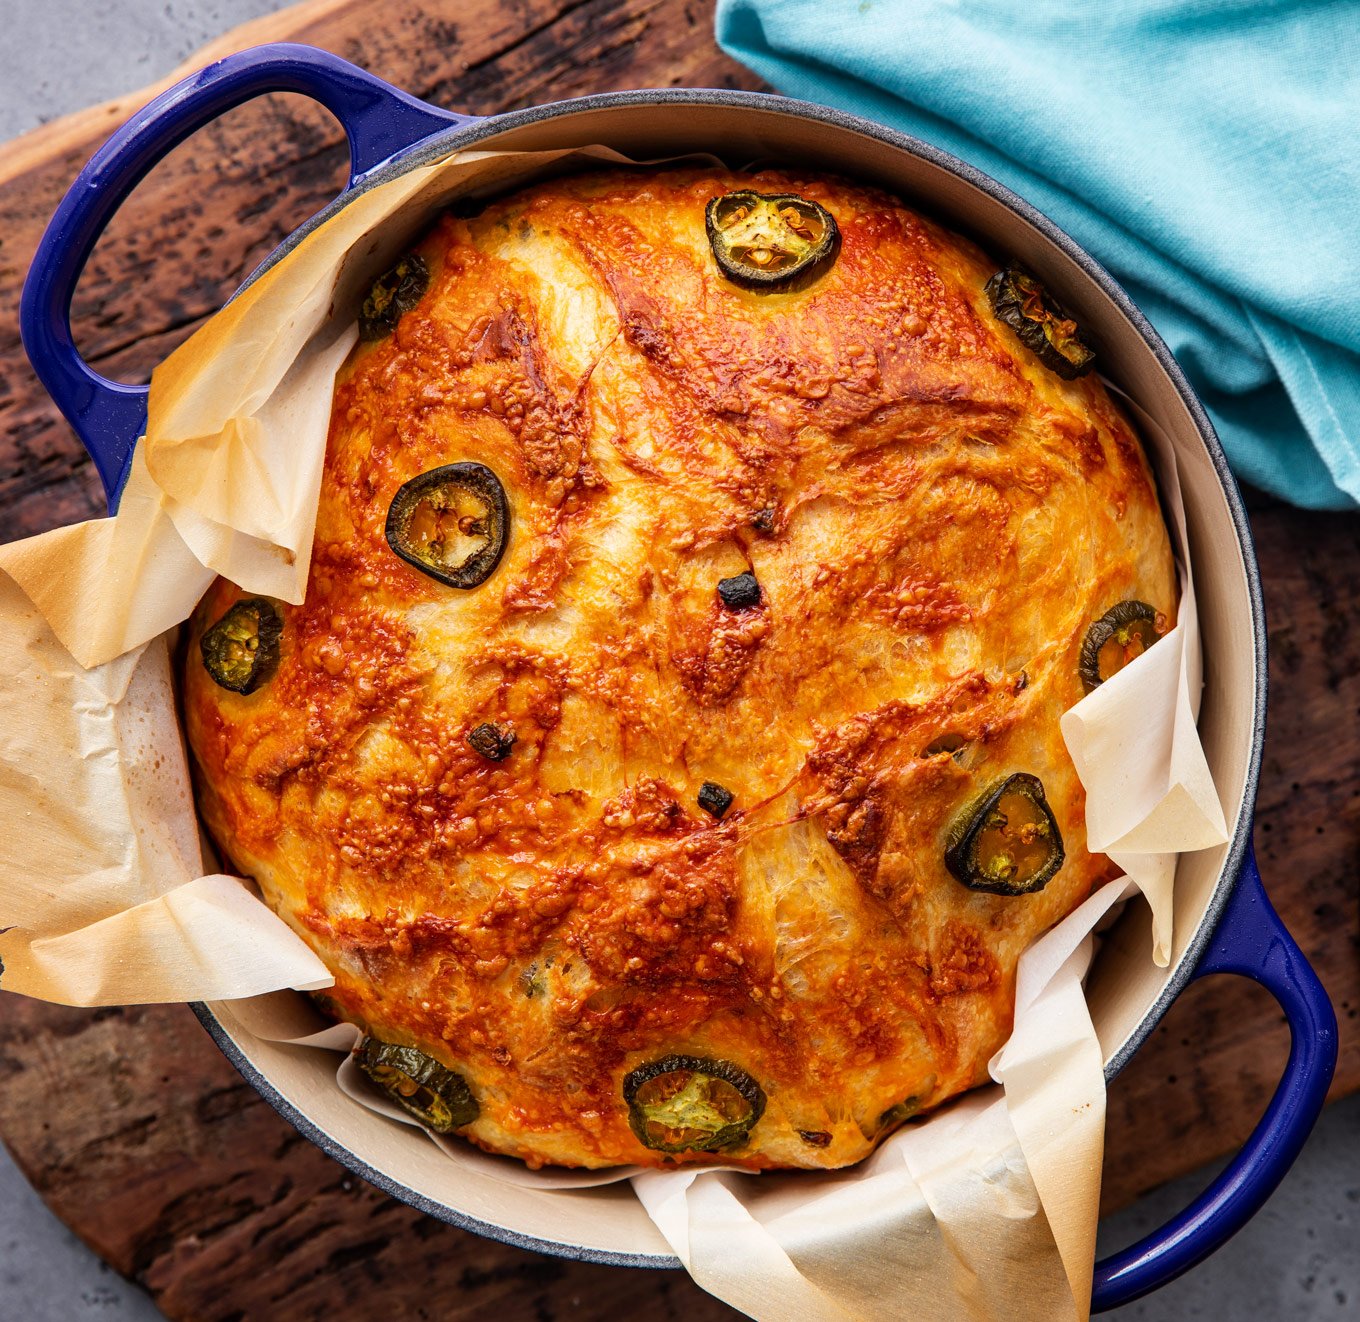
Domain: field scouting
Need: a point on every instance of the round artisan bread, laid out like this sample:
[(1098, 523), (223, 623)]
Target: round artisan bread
[(653, 801)]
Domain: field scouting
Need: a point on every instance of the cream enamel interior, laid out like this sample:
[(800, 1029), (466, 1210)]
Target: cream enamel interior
[(1124, 986)]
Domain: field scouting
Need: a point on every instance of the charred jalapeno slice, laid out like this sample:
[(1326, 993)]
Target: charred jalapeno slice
[(899, 1113), (241, 650), (714, 799), (493, 742), (393, 294), (451, 523), (691, 1104), (1009, 843), (1042, 324), (1121, 635), (740, 592), (952, 743), (420, 1085), (770, 241)]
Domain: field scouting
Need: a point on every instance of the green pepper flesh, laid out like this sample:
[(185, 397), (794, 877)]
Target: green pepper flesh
[(452, 523), (899, 1113), (435, 1095), (393, 294), (770, 241), (902, 1111), (954, 744), (241, 651), (1120, 636), (1009, 843), (1040, 322), (692, 1104)]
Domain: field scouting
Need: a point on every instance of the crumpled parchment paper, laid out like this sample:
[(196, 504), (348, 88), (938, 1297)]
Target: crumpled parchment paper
[(986, 1210)]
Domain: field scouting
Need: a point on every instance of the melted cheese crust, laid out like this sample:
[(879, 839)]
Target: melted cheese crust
[(934, 519)]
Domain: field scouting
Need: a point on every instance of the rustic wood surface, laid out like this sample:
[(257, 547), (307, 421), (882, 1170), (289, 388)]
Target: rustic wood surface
[(131, 1125)]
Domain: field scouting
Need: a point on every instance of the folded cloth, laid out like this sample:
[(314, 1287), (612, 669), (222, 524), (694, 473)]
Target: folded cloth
[(1207, 152)]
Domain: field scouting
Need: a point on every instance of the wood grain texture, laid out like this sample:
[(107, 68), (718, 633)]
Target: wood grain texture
[(172, 1169), (1197, 1088), (130, 1123), (213, 210)]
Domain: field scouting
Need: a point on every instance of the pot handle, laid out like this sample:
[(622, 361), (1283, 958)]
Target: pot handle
[(1250, 940), (379, 120)]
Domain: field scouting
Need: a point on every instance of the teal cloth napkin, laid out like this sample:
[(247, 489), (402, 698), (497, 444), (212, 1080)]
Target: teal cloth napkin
[(1206, 152)]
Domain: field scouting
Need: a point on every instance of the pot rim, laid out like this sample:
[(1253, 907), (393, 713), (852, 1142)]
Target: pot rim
[(471, 132)]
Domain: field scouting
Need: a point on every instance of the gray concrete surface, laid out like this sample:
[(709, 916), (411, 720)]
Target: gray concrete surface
[(47, 1274), (62, 55), (1299, 1261)]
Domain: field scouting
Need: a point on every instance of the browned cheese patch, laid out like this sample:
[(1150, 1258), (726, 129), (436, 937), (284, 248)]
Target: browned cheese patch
[(481, 805)]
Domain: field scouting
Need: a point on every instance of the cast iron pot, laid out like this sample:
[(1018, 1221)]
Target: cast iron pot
[(1224, 922)]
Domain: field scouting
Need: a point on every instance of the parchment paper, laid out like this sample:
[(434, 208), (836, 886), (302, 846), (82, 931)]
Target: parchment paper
[(986, 1210)]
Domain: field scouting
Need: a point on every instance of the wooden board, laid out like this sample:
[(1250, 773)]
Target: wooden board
[(130, 1124)]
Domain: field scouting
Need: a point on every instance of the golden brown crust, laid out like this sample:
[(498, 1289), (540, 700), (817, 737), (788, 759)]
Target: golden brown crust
[(933, 518)]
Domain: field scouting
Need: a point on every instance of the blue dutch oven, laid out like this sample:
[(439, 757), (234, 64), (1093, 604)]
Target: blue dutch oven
[(1224, 922)]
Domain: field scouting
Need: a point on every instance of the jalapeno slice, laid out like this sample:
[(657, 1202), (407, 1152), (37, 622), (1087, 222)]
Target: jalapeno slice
[(1009, 843), (902, 1111), (493, 742), (740, 592), (1040, 321), (241, 650), (691, 1104), (714, 799), (1121, 635), (953, 743), (899, 1113), (451, 523), (394, 293), (419, 1084), (770, 241)]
